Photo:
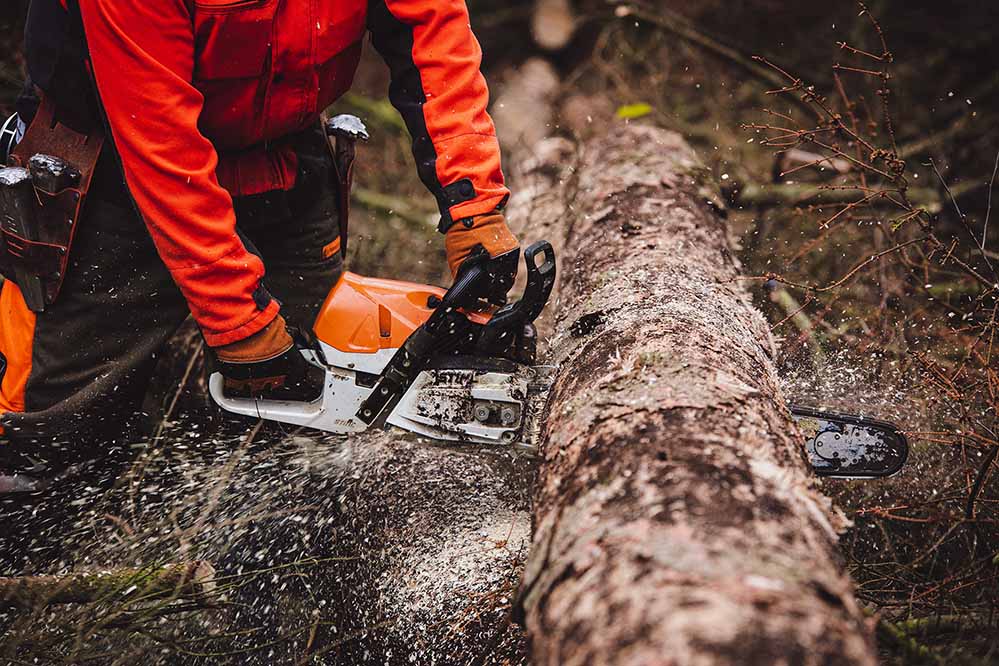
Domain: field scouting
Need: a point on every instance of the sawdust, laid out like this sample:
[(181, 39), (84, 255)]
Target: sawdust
[(375, 549)]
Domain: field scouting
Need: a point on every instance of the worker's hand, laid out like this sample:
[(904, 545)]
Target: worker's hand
[(485, 239), (268, 365)]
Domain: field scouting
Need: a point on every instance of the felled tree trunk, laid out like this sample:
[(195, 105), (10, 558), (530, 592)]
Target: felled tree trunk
[(553, 24), (674, 519)]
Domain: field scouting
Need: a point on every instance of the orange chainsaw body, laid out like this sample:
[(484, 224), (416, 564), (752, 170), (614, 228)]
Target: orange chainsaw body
[(419, 358), (364, 315)]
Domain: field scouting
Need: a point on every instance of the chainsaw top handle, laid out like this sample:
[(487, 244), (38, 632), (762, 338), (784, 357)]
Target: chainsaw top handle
[(540, 281), (511, 319)]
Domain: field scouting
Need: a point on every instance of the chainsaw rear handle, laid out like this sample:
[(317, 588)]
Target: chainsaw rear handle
[(283, 411)]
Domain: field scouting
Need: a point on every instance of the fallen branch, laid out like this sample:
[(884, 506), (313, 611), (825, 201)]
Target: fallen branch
[(808, 194), (183, 580)]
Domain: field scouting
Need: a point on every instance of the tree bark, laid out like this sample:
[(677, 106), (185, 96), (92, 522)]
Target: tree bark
[(675, 521)]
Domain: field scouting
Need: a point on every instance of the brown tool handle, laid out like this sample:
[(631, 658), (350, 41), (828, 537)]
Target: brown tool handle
[(343, 132), (346, 168), (343, 162)]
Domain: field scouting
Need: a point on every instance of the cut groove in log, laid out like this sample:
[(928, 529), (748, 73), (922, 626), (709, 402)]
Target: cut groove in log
[(675, 521)]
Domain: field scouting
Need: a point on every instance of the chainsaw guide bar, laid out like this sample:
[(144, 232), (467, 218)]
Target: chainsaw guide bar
[(845, 446)]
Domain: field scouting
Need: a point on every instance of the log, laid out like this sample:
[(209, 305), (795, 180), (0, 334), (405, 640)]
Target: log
[(553, 23), (675, 521), (533, 86)]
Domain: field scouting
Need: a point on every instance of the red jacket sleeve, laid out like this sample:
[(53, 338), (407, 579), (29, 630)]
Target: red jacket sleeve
[(142, 55), (441, 93)]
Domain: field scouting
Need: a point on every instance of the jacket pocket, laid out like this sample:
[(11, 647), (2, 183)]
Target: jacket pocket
[(232, 38)]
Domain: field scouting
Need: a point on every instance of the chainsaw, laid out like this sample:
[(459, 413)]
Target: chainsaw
[(449, 367), (441, 364), (421, 359)]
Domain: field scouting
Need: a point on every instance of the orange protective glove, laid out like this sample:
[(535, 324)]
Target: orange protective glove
[(489, 231), (267, 343), (269, 365)]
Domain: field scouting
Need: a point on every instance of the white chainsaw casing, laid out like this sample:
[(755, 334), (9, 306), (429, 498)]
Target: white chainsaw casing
[(459, 404)]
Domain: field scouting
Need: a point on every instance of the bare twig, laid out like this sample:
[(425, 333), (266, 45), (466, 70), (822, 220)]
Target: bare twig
[(988, 210)]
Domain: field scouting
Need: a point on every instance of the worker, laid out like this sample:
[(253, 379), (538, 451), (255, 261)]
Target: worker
[(214, 168)]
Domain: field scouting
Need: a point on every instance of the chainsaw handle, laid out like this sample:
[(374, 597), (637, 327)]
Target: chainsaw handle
[(540, 279), (540, 282), (465, 286), (283, 411), (511, 319)]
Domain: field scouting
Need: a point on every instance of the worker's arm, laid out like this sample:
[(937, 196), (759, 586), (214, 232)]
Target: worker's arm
[(142, 55), (440, 92), (442, 95)]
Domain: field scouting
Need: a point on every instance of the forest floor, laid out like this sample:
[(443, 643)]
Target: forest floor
[(903, 339)]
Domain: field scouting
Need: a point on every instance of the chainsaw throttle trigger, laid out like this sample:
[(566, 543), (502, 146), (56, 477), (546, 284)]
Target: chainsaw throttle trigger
[(466, 285)]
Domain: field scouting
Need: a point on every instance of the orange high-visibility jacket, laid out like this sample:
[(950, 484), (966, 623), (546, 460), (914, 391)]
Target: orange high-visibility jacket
[(199, 93)]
